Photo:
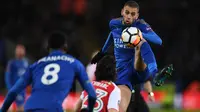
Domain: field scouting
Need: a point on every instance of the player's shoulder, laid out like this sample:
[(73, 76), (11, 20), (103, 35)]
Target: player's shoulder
[(141, 21), (115, 23), (115, 87), (9, 64), (76, 63), (73, 58), (12, 62)]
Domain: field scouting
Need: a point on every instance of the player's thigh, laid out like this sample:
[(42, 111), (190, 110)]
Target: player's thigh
[(147, 53), (125, 97), (125, 75)]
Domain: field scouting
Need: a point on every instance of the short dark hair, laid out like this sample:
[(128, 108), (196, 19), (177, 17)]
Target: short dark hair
[(106, 69), (56, 40), (132, 4)]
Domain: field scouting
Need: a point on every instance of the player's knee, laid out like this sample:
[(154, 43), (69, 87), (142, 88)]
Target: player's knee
[(139, 65), (143, 75)]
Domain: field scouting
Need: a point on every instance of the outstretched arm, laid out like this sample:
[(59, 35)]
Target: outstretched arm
[(87, 86), (16, 89)]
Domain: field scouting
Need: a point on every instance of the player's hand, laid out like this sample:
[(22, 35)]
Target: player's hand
[(140, 44), (97, 57), (151, 97)]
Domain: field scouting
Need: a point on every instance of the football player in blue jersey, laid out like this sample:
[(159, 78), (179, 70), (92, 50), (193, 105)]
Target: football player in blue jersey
[(134, 64), (15, 69), (51, 78)]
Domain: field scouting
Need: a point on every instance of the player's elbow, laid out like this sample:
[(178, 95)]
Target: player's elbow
[(159, 41)]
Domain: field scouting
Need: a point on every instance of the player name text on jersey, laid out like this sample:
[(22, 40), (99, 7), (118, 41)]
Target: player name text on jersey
[(56, 58), (103, 85)]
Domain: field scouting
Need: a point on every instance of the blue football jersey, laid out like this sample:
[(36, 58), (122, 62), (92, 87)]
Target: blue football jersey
[(124, 54), (51, 78), (15, 69)]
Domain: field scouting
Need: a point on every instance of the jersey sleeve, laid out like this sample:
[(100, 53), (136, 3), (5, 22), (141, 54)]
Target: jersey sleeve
[(115, 23), (148, 33), (114, 99), (86, 84), (82, 75), (20, 85), (8, 75)]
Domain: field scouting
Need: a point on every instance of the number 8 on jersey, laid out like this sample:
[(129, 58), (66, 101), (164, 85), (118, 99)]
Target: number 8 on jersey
[(50, 75)]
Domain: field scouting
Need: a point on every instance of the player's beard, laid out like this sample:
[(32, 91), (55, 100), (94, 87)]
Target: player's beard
[(127, 23)]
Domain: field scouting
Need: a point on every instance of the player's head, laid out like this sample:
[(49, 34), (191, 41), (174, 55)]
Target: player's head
[(20, 51), (106, 69), (57, 41), (130, 12)]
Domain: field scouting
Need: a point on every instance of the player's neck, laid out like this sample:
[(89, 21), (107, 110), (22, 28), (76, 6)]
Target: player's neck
[(19, 57), (54, 50)]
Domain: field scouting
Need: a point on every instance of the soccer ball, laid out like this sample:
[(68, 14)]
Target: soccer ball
[(131, 36)]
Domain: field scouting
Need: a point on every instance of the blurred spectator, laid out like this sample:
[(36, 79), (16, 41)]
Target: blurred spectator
[(15, 69)]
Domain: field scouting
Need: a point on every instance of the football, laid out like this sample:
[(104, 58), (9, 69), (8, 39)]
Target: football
[(131, 36)]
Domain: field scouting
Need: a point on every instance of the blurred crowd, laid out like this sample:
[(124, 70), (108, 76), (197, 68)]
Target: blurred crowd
[(85, 22)]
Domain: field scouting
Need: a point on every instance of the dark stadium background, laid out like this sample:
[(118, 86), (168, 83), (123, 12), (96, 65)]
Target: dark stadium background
[(85, 23)]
